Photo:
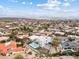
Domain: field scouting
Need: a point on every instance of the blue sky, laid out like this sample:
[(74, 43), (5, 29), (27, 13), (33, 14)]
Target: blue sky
[(39, 8)]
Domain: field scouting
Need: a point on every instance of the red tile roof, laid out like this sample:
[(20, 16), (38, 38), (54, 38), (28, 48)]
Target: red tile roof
[(10, 47)]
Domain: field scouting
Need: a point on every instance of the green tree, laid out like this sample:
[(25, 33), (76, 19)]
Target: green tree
[(12, 35), (3, 41), (45, 27), (21, 41), (18, 57), (55, 43)]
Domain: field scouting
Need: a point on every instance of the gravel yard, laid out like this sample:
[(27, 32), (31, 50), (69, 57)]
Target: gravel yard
[(64, 57), (6, 57)]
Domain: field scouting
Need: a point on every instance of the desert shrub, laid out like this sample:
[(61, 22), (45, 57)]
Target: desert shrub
[(18, 57)]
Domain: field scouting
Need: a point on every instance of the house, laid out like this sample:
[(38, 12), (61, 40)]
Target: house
[(46, 33), (1, 33), (23, 36), (70, 43), (59, 33), (74, 37), (9, 48), (43, 41), (4, 38)]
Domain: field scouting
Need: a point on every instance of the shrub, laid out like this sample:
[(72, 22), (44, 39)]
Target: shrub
[(3, 41), (66, 53), (19, 57), (76, 53)]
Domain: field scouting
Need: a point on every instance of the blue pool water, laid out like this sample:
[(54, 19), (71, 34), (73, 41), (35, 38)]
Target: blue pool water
[(34, 45)]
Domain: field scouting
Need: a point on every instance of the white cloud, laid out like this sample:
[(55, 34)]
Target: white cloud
[(66, 4), (23, 2), (3, 10), (51, 4), (31, 3), (69, 0), (73, 0), (15, 1), (71, 10), (1, 7), (66, 0), (55, 4)]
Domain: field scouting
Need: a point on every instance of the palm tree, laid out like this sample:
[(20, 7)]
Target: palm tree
[(55, 43)]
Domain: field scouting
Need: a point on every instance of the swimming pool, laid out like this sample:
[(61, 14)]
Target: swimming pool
[(34, 45)]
